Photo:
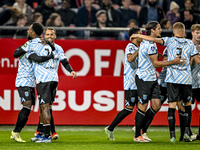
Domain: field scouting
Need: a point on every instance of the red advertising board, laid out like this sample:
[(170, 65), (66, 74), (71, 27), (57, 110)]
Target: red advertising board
[(94, 98)]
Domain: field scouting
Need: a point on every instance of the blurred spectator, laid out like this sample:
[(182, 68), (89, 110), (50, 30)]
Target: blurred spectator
[(20, 22), (37, 17), (150, 12), (173, 15), (101, 23), (46, 9), (86, 14), (112, 14), (131, 23), (55, 21), (6, 3), (57, 3), (188, 6), (166, 4), (24, 8), (166, 24), (68, 16), (190, 18), (126, 13), (9, 15)]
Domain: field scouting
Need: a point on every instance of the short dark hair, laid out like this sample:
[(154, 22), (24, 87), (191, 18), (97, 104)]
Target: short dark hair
[(51, 28), (38, 28), (133, 30), (150, 25)]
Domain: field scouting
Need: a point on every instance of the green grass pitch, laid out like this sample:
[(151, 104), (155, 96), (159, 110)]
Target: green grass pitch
[(93, 138)]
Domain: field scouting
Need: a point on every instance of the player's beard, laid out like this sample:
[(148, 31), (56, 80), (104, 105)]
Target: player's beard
[(29, 37)]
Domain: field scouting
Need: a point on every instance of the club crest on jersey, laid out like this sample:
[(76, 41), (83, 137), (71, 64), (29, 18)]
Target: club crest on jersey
[(153, 48), (132, 99), (26, 93), (144, 97), (130, 49)]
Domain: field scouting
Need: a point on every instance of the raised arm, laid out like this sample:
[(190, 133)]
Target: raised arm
[(68, 67), (148, 38), (18, 52), (158, 64)]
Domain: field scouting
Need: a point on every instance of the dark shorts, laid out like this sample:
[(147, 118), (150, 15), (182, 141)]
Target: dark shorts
[(46, 92), (196, 95), (147, 90), (131, 97), (163, 94), (177, 92), (27, 94)]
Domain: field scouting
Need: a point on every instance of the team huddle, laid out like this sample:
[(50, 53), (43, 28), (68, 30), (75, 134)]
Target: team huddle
[(38, 65), (178, 83)]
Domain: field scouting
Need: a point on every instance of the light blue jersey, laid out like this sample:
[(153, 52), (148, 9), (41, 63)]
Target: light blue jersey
[(45, 71), (146, 71), (195, 70), (130, 68), (58, 56), (25, 75), (180, 73), (162, 76)]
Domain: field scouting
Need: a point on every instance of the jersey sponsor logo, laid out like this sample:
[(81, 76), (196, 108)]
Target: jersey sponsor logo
[(26, 93), (25, 45), (23, 100), (42, 101)]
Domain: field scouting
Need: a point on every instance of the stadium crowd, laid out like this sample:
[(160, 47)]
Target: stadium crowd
[(88, 13)]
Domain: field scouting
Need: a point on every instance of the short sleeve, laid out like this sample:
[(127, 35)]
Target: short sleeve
[(152, 49)]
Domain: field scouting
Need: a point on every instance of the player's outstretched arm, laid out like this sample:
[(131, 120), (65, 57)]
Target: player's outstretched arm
[(68, 67), (40, 59), (158, 64), (18, 52), (148, 38)]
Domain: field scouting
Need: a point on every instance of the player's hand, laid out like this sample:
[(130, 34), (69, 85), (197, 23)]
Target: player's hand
[(73, 73), (160, 56), (133, 36), (198, 48), (179, 60), (43, 40)]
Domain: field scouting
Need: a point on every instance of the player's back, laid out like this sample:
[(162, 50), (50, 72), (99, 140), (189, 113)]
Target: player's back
[(184, 48), (130, 68)]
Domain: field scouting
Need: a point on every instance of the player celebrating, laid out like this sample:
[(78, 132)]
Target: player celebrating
[(50, 35), (146, 80), (25, 83), (130, 67), (195, 68), (179, 78)]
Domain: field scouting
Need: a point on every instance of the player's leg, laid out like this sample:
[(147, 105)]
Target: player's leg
[(53, 130), (130, 99), (173, 97), (144, 94), (186, 93), (27, 95), (196, 95), (45, 91), (151, 112), (181, 112)]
